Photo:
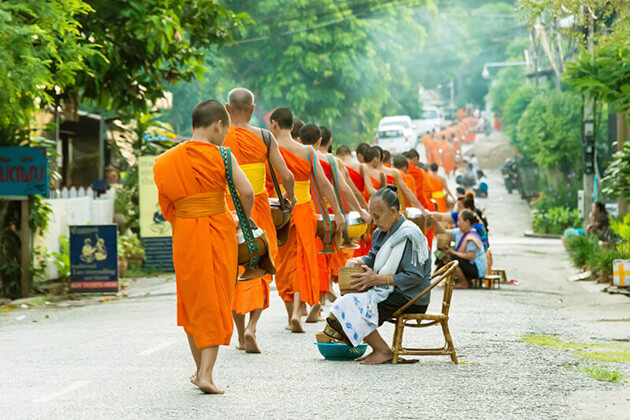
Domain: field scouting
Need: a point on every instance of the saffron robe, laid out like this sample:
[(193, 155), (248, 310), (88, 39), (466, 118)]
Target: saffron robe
[(204, 240), (251, 154)]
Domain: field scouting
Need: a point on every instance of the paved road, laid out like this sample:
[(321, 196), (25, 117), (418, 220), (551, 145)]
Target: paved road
[(127, 359)]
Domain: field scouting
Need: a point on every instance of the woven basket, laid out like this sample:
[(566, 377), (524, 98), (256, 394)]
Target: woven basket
[(345, 275)]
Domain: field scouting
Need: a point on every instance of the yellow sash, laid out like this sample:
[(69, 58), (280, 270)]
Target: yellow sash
[(303, 191), (437, 194), (256, 174), (201, 205)]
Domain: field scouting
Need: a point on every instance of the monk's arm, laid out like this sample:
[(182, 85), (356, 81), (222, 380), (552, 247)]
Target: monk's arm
[(442, 217), (355, 191), (409, 195), (348, 195), (167, 207), (244, 188), (366, 180), (445, 187), (286, 177), (329, 193)]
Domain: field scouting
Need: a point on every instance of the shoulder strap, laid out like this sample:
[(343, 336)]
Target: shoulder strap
[(319, 200), (243, 220), (276, 185), (335, 178)]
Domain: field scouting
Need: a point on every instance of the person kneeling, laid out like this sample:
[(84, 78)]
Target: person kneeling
[(397, 268)]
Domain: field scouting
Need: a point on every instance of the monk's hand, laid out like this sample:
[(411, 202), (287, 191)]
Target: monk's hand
[(290, 199), (340, 223), (366, 280), (365, 216)]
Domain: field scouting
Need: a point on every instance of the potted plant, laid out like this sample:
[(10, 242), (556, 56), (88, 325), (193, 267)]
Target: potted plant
[(130, 252)]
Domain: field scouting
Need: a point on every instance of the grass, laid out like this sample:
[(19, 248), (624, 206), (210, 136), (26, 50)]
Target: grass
[(135, 272), (605, 356), (556, 342), (603, 374)]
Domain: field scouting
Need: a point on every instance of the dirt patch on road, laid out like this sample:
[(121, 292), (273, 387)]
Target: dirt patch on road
[(492, 150)]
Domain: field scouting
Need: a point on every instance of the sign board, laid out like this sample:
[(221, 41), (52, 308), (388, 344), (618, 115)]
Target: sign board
[(94, 258), (23, 171), (156, 233), (621, 273)]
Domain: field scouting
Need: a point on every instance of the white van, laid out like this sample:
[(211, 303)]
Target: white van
[(407, 125)]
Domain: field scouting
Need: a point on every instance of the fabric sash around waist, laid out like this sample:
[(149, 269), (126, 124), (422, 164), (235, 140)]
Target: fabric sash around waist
[(201, 205), (437, 194), (256, 174), (302, 191)]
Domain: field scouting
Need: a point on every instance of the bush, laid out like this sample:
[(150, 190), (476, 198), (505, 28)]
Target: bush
[(600, 261), (563, 195), (581, 247), (556, 220), (514, 108), (549, 132)]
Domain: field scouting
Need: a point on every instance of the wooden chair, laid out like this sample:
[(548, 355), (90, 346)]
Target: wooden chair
[(402, 319), (494, 276)]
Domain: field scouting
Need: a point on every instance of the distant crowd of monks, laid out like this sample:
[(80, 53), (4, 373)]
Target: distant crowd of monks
[(192, 180)]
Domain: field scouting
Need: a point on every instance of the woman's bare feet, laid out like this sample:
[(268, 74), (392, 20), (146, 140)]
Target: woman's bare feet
[(378, 358), (362, 358), (208, 387), (296, 325), (251, 346)]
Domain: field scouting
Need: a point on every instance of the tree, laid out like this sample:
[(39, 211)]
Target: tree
[(147, 46)]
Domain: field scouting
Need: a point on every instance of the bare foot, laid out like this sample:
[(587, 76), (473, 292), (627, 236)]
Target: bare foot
[(296, 325), (303, 311), (241, 344), (331, 296), (251, 346), (362, 358), (208, 387), (193, 379), (378, 358), (315, 315), (288, 326)]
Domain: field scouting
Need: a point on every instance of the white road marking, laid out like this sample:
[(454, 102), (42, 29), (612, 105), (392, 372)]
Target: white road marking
[(61, 392), (159, 347)]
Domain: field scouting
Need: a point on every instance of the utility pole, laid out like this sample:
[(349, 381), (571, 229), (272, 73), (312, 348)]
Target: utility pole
[(588, 140)]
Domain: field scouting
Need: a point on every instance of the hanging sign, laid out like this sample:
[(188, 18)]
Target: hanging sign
[(23, 171)]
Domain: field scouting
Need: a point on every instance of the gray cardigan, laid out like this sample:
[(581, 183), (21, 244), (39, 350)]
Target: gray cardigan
[(410, 279)]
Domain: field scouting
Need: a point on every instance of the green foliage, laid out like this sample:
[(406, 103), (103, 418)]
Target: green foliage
[(41, 53), (560, 195), (508, 80), (621, 227), (130, 246), (581, 247), (61, 259), (603, 374), (514, 108), (556, 220), (549, 131), (617, 176), (147, 45)]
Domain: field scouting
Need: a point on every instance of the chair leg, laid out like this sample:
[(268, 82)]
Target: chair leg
[(397, 344), (449, 341)]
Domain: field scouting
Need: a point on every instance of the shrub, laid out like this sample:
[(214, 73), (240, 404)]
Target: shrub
[(600, 261), (563, 195), (556, 220), (581, 247), (514, 108)]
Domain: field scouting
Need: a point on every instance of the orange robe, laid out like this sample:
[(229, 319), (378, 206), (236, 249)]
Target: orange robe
[(204, 239), (430, 149), (250, 151), (297, 258), (437, 192), (448, 161), (422, 187)]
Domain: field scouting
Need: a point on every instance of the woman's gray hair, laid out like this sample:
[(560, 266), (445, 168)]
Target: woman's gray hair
[(388, 195)]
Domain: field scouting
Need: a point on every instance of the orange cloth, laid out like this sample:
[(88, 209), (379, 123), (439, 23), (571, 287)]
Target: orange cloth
[(430, 149), (421, 185), (297, 259), (437, 192), (204, 248), (248, 148), (448, 160)]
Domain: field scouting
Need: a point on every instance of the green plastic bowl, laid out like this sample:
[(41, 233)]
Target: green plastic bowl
[(337, 351)]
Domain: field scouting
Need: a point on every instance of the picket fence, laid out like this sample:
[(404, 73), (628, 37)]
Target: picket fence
[(73, 206)]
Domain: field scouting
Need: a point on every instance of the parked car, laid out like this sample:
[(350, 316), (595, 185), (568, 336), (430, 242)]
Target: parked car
[(393, 138), (407, 125)]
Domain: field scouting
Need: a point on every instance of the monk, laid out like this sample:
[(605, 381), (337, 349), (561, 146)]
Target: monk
[(297, 278), (361, 151), (330, 263), (438, 190), (423, 191), (353, 177), (191, 183), (387, 159), (402, 164), (448, 160), (376, 173), (429, 147), (250, 150)]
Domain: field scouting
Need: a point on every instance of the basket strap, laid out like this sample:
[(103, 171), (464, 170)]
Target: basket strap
[(276, 185), (246, 227)]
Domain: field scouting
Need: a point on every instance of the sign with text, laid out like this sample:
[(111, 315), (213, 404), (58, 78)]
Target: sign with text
[(156, 233), (23, 171), (94, 258)]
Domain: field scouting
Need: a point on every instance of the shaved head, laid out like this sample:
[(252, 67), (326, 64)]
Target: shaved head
[(240, 100), (207, 113)]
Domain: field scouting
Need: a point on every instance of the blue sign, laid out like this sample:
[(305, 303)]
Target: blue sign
[(23, 171), (94, 258)]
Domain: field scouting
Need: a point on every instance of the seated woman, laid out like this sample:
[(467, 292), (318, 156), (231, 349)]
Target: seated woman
[(469, 250), (466, 202), (599, 224), (396, 269)]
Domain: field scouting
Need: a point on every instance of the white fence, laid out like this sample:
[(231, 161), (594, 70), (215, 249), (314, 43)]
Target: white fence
[(73, 207)]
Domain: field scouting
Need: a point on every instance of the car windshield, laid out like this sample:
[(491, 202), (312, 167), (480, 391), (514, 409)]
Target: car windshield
[(398, 122), (388, 134), (428, 114)]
